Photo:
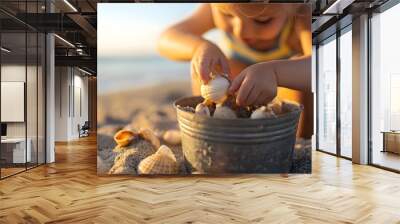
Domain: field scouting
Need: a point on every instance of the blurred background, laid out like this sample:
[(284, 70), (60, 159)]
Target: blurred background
[(136, 86), (127, 41)]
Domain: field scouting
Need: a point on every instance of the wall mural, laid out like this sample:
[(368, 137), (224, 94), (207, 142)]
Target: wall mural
[(204, 88)]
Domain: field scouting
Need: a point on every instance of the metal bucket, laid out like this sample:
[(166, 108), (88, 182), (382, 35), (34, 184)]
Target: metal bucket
[(212, 145)]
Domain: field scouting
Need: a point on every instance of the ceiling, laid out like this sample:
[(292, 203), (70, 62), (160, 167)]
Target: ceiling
[(76, 22)]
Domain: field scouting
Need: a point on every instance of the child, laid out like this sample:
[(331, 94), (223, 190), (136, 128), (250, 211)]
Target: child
[(266, 46)]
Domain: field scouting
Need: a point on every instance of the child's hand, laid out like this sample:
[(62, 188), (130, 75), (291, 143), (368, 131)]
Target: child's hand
[(206, 59), (256, 85)]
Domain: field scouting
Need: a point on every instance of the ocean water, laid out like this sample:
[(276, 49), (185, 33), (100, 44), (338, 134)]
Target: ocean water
[(122, 73)]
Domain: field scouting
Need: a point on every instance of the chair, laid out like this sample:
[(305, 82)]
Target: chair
[(84, 130)]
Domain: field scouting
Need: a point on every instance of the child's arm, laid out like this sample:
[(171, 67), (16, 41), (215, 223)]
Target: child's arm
[(184, 41), (180, 41), (294, 73), (257, 84)]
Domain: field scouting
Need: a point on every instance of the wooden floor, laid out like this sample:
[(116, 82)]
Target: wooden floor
[(5, 172), (69, 191), (10, 171)]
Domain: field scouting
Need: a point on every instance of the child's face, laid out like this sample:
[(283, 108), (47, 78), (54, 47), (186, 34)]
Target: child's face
[(254, 24)]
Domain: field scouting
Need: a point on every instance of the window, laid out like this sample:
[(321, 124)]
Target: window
[(346, 92), (385, 88), (22, 75), (327, 95)]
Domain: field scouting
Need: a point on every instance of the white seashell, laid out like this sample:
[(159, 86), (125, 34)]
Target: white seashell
[(263, 112), (161, 162), (202, 109), (172, 137), (148, 135), (224, 112), (216, 89)]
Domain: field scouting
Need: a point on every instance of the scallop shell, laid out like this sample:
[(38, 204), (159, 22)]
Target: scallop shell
[(224, 112), (124, 137), (263, 112), (289, 106), (161, 162), (172, 137), (216, 89), (148, 135), (202, 109)]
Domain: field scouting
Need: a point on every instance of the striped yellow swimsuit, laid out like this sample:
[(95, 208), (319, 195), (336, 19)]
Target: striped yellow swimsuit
[(235, 49)]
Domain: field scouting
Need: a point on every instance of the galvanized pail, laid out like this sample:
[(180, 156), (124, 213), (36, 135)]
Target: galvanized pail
[(213, 146)]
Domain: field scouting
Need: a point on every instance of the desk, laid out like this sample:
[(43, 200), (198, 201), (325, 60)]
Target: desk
[(391, 141), (18, 151)]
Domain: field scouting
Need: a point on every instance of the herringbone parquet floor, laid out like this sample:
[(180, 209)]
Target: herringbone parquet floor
[(69, 191)]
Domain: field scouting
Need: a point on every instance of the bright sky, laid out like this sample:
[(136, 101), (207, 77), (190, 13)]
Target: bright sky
[(132, 29)]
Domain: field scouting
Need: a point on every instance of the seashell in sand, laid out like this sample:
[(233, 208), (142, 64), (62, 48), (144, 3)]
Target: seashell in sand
[(161, 162), (276, 106), (289, 106), (224, 112), (216, 89), (263, 112), (125, 162), (172, 137), (124, 137), (148, 135), (202, 109)]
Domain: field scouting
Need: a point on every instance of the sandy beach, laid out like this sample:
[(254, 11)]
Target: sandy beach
[(152, 108)]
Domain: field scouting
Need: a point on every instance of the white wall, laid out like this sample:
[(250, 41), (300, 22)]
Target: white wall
[(70, 84), (12, 73), (80, 100), (61, 103), (33, 127)]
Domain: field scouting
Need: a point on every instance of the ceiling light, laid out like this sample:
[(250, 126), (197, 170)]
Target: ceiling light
[(65, 41), (338, 6), (84, 71), (80, 51), (5, 50), (70, 5)]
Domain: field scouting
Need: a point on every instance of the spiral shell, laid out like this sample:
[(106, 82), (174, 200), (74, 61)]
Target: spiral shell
[(172, 137), (263, 112), (224, 112), (202, 109), (148, 135), (216, 89), (124, 137), (161, 162)]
